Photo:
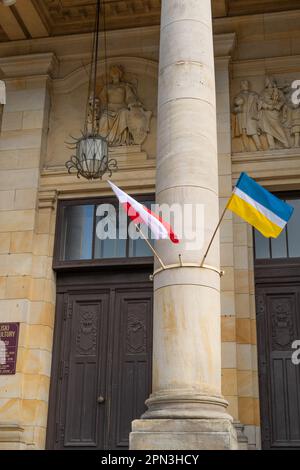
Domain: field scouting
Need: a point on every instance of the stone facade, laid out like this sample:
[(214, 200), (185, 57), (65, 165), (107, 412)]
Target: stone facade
[(46, 84), (27, 280)]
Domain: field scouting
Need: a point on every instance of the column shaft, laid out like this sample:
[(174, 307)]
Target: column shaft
[(187, 358), (186, 349)]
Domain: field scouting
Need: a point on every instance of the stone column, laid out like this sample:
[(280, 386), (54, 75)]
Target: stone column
[(186, 409)]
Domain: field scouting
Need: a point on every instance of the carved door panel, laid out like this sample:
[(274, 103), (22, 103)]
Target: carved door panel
[(101, 367), (278, 325), (131, 379), (82, 378)]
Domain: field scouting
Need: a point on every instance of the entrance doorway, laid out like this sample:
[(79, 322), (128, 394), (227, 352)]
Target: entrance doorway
[(277, 286), (102, 349), (101, 370)]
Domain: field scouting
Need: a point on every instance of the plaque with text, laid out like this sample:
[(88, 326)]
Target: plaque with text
[(9, 336)]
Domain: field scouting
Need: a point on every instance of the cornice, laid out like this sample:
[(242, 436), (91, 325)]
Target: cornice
[(277, 169), (283, 64), (77, 45), (56, 180), (122, 43), (255, 17)]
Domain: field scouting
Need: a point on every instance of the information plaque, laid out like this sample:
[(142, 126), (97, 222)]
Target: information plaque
[(9, 336)]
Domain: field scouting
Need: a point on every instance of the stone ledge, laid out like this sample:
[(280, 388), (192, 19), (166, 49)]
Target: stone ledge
[(277, 169), (266, 155), (11, 436)]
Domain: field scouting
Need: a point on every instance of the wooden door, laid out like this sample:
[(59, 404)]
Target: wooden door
[(101, 370), (278, 326)]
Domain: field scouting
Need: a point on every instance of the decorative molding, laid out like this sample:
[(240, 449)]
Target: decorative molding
[(224, 44), (63, 16), (59, 17), (78, 77), (276, 169), (55, 179), (29, 65), (128, 158), (267, 156), (231, 21), (268, 66), (86, 338), (12, 434), (47, 199), (119, 42), (136, 337), (74, 46), (250, 7), (282, 321)]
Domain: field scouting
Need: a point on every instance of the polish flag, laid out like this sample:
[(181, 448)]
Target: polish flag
[(141, 214)]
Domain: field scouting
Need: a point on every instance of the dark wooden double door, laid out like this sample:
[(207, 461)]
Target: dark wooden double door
[(101, 369), (278, 326)]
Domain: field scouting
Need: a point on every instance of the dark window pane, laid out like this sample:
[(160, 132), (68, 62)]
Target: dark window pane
[(111, 232), (77, 232), (262, 247), (293, 229), (279, 247), (137, 246)]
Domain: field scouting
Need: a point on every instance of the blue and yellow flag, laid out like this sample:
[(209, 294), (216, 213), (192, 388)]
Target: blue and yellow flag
[(253, 203)]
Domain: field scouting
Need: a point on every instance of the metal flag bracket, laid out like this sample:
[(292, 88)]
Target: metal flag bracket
[(187, 265), (164, 267)]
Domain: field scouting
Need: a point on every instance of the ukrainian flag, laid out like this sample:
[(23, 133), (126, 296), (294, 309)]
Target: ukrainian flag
[(253, 203)]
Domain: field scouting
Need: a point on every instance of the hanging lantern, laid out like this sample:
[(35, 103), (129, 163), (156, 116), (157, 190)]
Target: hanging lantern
[(90, 159)]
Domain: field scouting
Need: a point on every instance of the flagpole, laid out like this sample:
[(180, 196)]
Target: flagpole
[(214, 234), (151, 247)]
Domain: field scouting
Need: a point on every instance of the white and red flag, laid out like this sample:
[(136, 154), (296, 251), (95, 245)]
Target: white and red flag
[(138, 213)]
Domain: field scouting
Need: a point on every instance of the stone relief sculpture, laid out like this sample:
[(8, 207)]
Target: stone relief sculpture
[(295, 124), (271, 105), (121, 117), (268, 120), (292, 116), (246, 116)]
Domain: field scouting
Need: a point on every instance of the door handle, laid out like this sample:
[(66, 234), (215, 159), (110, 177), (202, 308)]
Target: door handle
[(100, 399)]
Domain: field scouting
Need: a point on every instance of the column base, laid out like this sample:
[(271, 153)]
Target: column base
[(183, 434), (185, 404)]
